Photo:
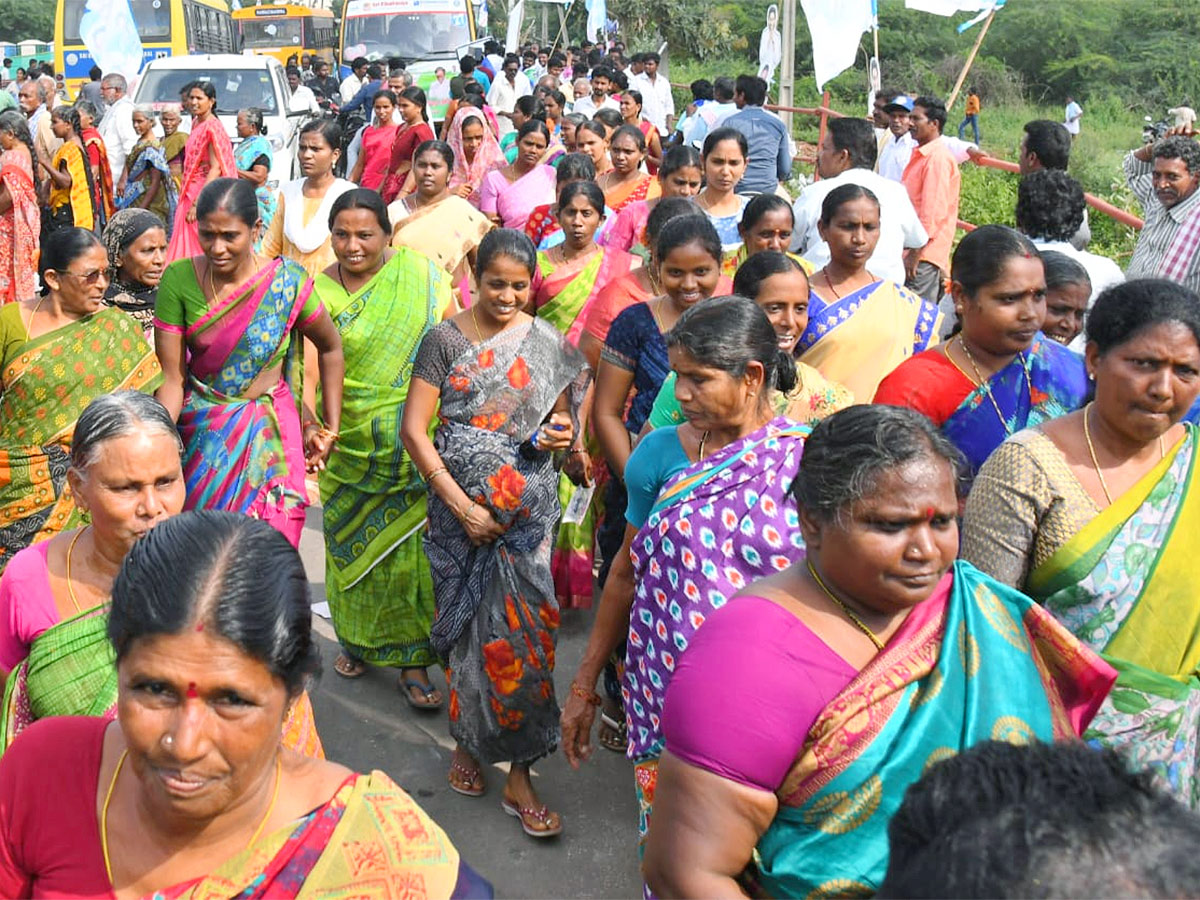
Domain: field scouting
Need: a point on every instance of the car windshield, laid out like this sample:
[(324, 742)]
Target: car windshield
[(153, 18), (236, 88), (411, 36), (272, 32)]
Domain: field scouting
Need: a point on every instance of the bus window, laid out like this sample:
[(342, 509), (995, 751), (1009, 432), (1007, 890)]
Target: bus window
[(416, 36), (272, 32), (153, 18)]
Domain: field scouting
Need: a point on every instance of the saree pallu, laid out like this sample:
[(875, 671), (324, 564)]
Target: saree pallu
[(71, 670), (20, 228), (205, 136), (377, 579), (174, 149), (1125, 586), (859, 339), (244, 455), (369, 839), (146, 158), (102, 182), (446, 232), (517, 199), (976, 661), (1044, 382), (496, 615), (247, 152), (487, 156), (76, 199), (376, 154), (46, 385), (641, 188)]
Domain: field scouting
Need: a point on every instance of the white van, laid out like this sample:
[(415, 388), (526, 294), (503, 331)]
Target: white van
[(241, 82)]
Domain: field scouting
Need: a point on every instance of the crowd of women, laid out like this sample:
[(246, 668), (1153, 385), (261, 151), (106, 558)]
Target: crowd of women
[(830, 551)]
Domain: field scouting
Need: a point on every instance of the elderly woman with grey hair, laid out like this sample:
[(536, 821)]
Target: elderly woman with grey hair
[(806, 705), (146, 180), (126, 477)]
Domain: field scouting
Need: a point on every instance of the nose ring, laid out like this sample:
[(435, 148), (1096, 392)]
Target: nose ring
[(168, 741)]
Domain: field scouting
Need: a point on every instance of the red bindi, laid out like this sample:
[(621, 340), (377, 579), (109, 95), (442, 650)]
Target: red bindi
[(199, 626), (930, 513), (192, 693)]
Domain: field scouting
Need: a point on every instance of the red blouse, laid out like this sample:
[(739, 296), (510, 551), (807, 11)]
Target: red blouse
[(404, 147), (929, 383)]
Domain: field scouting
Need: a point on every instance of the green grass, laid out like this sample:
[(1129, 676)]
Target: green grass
[(989, 195)]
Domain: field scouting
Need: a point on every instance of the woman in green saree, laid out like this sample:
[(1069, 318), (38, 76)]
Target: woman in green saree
[(1092, 515), (58, 352), (869, 659), (382, 302)]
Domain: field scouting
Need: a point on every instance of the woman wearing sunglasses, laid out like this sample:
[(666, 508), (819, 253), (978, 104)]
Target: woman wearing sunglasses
[(59, 352)]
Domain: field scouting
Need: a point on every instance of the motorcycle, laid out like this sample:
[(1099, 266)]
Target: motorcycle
[(1153, 131)]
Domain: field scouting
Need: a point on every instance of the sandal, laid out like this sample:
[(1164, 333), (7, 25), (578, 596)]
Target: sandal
[(349, 668), (428, 691), (613, 735), (469, 777), (529, 814)]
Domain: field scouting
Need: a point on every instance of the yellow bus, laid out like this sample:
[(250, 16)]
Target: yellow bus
[(166, 27), (286, 30)]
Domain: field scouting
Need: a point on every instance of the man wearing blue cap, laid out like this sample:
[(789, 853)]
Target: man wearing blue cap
[(898, 144)]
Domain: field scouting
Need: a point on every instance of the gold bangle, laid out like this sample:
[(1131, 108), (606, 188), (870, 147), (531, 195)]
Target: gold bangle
[(434, 473), (327, 434), (590, 696), (468, 506)]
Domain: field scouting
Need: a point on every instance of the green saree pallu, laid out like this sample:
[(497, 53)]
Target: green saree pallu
[(1125, 585), (70, 671), (377, 577), (977, 661)]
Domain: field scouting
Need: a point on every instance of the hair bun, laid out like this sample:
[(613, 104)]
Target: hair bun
[(786, 378)]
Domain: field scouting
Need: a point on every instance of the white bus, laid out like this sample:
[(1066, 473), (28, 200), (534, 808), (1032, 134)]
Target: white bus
[(425, 33)]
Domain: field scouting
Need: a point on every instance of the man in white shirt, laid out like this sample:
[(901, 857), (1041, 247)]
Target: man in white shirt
[(658, 104), (599, 98), (898, 147), (510, 85), (302, 95), (847, 156), (354, 81), (1072, 115), (116, 127)]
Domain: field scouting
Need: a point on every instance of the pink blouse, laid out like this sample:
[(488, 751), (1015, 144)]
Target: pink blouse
[(26, 603)]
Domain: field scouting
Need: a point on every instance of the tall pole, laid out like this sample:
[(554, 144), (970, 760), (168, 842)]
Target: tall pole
[(962, 76), (787, 65)]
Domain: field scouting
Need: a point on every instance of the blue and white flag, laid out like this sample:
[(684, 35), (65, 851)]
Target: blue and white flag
[(984, 8), (597, 17), (111, 36)]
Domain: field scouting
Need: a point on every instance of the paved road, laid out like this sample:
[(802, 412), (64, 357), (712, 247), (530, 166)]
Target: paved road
[(365, 724)]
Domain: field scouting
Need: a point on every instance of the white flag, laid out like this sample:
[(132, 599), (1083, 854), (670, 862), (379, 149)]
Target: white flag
[(597, 15), (948, 7), (836, 27), (111, 35)]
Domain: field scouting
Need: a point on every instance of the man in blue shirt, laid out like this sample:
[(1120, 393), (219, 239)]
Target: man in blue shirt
[(770, 148), (365, 97)]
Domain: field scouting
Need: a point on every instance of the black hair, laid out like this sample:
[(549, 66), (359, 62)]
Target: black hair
[(329, 130), (651, 57), (387, 94), (531, 107), (575, 167), (207, 88), (1062, 269), (1050, 205), (686, 230), (935, 110), (516, 245), (473, 89), (636, 96), (680, 157), (359, 63), (602, 71), (234, 195), (725, 134), (254, 118), (1039, 820), (633, 133), (234, 574), (1050, 141), (374, 72), (758, 268), (761, 205), (1179, 147), (728, 333), (610, 118), (441, 148), (979, 257), (531, 126), (467, 64), (752, 88), (665, 210), (847, 453), (416, 96), (362, 198), (590, 190), (556, 59), (94, 73), (68, 114), (857, 138), (621, 80), (61, 248), (702, 89), (1125, 310), (840, 196), (724, 87), (596, 128), (292, 70)]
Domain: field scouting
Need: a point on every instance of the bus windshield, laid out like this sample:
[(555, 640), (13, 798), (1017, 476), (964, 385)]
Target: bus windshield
[(413, 36), (153, 18), (273, 32)]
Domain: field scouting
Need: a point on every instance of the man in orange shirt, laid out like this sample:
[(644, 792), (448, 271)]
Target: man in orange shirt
[(971, 116), (932, 180)]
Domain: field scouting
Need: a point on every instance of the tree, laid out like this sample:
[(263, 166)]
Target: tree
[(24, 19)]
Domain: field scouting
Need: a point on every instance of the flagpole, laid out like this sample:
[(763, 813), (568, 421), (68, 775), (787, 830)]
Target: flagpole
[(962, 76)]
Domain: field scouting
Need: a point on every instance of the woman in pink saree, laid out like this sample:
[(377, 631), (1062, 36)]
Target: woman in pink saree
[(227, 326), (476, 152), (207, 155), (509, 194), (20, 217)]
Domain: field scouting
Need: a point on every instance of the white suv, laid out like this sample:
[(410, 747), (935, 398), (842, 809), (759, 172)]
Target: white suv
[(241, 82)]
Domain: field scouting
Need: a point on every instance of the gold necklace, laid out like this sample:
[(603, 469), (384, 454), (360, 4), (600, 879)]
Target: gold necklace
[(70, 550), (1087, 436), (700, 451), (987, 387), (36, 307), (862, 626), (108, 799)]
